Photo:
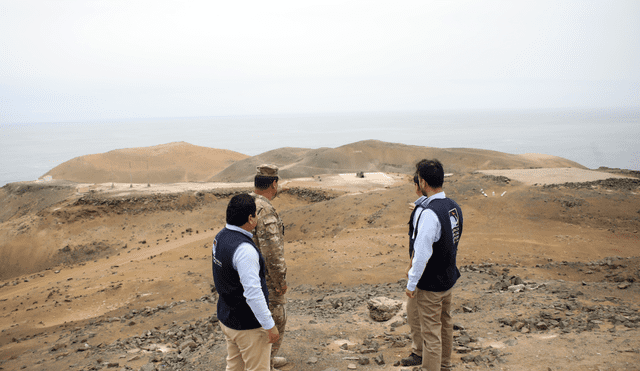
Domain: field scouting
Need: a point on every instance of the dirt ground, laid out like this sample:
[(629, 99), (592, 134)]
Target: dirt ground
[(119, 276)]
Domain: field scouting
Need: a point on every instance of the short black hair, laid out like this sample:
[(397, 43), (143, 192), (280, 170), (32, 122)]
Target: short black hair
[(431, 171), (416, 180), (264, 181), (239, 209)]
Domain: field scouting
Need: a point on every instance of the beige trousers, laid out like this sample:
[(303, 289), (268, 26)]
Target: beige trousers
[(429, 317), (413, 318), (247, 349)]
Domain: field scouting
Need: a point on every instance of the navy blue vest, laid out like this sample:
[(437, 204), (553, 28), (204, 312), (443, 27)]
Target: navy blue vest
[(441, 272), (233, 310)]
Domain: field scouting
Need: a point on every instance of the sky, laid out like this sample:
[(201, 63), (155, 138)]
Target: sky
[(100, 60)]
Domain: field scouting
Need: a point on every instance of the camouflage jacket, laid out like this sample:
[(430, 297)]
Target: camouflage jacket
[(269, 237)]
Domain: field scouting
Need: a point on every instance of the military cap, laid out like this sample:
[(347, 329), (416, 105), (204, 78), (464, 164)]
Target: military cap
[(267, 170)]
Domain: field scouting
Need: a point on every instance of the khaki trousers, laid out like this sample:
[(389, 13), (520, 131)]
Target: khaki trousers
[(429, 317), (413, 318), (247, 349)]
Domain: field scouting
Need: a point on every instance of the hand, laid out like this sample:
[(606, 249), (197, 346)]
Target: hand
[(273, 334), (411, 294)]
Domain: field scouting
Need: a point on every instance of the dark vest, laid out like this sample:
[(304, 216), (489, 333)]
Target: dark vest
[(441, 272), (233, 310)]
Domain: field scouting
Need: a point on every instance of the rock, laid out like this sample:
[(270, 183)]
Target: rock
[(312, 361), (148, 367), (467, 359), (352, 366), (279, 362), (382, 308), (188, 344), (542, 326), (516, 288), (379, 360)]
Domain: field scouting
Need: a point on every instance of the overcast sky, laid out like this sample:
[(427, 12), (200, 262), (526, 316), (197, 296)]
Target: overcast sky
[(94, 60)]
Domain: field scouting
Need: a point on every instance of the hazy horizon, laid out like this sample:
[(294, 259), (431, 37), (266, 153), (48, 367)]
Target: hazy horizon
[(592, 138), (78, 61)]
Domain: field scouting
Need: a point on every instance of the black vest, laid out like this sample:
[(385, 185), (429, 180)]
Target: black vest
[(233, 310), (441, 272)]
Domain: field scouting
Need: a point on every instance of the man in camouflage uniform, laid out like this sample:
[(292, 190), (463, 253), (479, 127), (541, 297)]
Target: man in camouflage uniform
[(269, 238)]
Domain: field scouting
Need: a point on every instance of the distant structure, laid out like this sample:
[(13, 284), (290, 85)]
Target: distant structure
[(360, 174)]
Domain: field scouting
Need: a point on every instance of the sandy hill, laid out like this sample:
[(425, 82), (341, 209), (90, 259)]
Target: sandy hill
[(184, 162), (165, 163), (374, 156), (123, 281)]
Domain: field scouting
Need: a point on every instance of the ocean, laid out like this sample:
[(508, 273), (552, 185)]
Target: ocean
[(592, 138)]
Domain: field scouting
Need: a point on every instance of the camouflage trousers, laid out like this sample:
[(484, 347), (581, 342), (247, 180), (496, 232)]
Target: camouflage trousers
[(279, 314)]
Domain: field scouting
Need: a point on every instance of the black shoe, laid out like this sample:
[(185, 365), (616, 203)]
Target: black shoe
[(412, 360)]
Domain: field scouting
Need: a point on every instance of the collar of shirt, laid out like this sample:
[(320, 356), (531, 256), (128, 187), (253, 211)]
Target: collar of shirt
[(425, 202), (238, 229), (419, 200)]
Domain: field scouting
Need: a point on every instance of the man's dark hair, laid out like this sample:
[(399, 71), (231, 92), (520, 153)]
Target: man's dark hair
[(263, 182), (432, 172), (416, 180), (239, 209)]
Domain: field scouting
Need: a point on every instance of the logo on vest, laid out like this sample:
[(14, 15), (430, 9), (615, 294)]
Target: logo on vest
[(455, 224), (213, 254)]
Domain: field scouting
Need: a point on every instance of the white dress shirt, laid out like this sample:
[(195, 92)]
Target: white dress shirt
[(429, 231), (246, 262)]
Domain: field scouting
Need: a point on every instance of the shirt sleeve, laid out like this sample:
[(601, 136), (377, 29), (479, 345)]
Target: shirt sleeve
[(428, 233), (245, 261)]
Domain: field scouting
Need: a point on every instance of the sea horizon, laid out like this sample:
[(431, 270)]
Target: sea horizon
[(591, 137)]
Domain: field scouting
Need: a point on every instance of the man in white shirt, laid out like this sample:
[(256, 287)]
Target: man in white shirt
[(437, 227), (239, 276)]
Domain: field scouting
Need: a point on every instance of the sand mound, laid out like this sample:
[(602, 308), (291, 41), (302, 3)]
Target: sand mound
[(378, 156), (244, 170), (166, 163), (183, 162)]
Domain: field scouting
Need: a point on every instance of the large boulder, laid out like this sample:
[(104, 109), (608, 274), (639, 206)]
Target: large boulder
[(382, 308)]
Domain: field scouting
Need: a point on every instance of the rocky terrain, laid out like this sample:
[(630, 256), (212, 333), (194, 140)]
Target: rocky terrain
[(99, 277)]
